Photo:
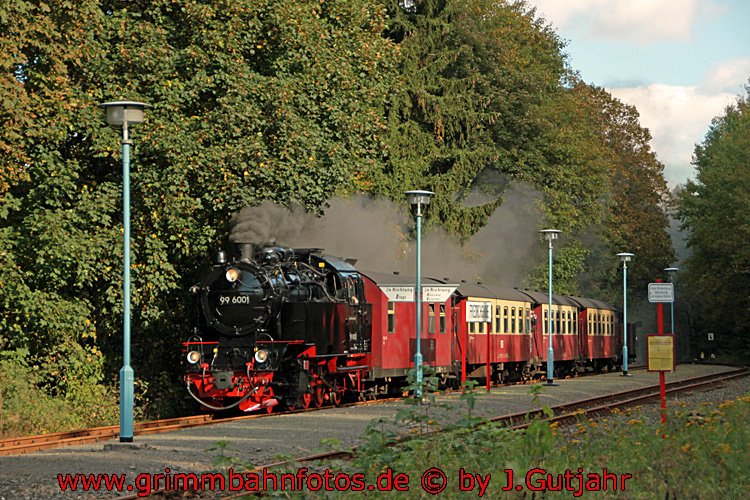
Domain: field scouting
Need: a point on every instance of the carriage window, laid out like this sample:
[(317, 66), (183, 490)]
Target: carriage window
[(593, 324), (391, 317), (563, 323), (505, 320), (472, 328), (431, 318), (529, 326), (570, 322), (497, 319), (546, 322), (442, 318), (597, 324), (513, 325)]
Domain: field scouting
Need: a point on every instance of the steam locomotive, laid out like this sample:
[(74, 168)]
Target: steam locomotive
[(277, 324), (298, 328)]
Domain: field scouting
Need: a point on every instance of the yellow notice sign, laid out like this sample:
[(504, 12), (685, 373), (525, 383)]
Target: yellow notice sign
[(660, 353)]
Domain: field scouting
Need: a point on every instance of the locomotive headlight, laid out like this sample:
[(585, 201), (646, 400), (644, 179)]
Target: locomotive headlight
[(193, 357), (261, 355), (233, 274)]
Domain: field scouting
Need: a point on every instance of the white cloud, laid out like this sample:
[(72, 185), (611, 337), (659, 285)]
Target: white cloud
[(678, 118), (639, 22), (728, 76)]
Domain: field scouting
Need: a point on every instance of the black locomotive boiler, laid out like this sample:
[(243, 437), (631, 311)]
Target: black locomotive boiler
[(277, 325)]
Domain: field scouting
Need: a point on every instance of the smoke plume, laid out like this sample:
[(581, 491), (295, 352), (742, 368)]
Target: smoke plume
[(376, 233)]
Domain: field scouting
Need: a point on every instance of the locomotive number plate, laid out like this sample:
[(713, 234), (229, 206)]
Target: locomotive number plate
[(226, 300)]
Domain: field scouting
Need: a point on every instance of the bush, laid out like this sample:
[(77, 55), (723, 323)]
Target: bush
[(26, 409), (700, 453)]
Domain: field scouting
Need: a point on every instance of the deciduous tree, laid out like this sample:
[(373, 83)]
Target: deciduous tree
[(713, 209)]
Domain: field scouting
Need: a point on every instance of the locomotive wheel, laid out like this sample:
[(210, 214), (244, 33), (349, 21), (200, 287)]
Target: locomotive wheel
[(334, 397), (269, 394), (306, 400), (319, 396)]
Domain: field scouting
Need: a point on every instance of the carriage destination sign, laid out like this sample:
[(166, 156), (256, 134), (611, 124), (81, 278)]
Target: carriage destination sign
[(430, 293), (478, 312), (660, 292)]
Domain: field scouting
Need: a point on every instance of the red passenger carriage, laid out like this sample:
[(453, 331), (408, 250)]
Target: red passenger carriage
[(299, 328)]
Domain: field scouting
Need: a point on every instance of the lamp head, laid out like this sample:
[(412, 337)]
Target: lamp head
[(418, 197), (670, 270), (121, 112), (551, 234), (625, 256)]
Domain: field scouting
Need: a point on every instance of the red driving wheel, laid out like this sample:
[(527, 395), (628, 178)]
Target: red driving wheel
[(319, 396)]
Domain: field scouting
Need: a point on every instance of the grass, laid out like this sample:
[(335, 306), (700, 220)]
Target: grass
[(701, 452)]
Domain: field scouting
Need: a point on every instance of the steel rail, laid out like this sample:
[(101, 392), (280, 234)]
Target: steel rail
[(29, 444), (563, 413), (566, 411)]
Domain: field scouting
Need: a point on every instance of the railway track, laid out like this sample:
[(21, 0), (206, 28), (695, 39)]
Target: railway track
[(567, 412), (564, 414), (29, 444)]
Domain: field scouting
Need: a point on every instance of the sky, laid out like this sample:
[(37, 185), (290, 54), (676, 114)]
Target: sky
[(679, 62)]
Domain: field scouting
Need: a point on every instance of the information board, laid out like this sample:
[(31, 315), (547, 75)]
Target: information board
[(661, 353), (437, 293), (660, 292), (397, 293), (478, 312), (430, 293)]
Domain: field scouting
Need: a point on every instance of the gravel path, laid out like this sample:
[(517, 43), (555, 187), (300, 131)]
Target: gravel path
[(260, 441)]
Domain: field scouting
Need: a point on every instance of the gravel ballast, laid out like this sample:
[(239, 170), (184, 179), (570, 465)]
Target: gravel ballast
[(261, 441)]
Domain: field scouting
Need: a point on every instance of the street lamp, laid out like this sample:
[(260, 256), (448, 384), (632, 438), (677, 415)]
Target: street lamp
[(418, 200), (120, 114), (625, 257), (550, 235), (671, 271)]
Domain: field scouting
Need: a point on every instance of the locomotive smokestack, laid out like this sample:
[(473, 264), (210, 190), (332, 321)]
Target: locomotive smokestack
[(246, 251)]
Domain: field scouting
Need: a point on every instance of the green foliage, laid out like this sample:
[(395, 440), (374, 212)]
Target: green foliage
[(25, 409), (287, 102), (700, 453), (636, 216), (713, 208), (252, 101), (474, 75), (223, 459), (487, 100)]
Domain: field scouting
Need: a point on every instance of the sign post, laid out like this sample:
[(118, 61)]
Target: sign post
[(661, 347), (480, 312)]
